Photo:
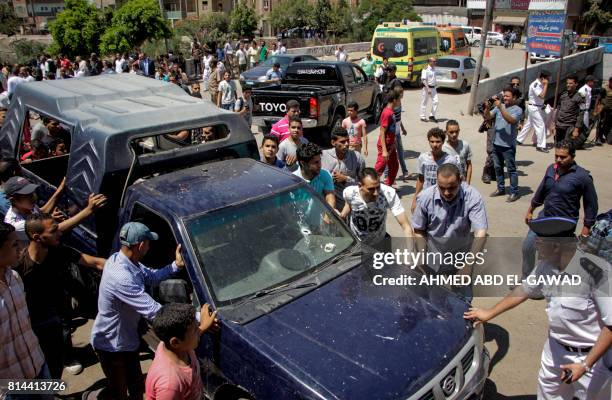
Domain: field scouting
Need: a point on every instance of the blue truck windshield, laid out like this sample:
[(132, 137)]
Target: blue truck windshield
[(258, 245)]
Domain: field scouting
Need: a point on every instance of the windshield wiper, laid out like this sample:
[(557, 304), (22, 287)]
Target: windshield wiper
[(283, 288)]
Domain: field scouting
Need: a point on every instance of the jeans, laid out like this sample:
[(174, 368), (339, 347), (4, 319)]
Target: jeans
[(505, 155), (400, 152)]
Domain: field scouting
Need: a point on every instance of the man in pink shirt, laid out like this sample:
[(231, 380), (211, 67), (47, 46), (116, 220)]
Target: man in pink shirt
[(175, 372), (281, 128)]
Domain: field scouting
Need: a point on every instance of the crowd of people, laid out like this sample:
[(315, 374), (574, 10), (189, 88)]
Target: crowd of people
[(35, 308)]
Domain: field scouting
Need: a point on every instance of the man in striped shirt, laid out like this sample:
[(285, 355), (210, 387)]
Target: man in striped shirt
[(20, 353), (281, 128)]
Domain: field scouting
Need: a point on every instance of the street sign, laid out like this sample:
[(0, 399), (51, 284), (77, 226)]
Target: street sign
[(544, 32)]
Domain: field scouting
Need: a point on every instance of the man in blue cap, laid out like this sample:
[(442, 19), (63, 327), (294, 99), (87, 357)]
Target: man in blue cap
[(577, 356), (121, 303)]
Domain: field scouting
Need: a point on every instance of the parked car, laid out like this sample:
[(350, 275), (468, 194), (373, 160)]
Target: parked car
[(256, 77), (473, 35), (586, 42), (457, 72), (495, 38), (323, 89)]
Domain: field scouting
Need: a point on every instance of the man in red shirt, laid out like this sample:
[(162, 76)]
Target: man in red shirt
[(281, 128), (387, 148)]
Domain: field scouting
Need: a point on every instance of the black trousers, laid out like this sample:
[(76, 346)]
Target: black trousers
[(124, 375), (604, 125), (489, 168)]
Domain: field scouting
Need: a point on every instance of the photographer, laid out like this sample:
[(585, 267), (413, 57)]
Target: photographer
[(507, 116)]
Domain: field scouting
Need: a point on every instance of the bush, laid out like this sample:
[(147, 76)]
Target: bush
[(27, 50)]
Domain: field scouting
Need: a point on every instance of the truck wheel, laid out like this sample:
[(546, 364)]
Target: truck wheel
[(376, 109), (498, 43), (463, 87), (532, 61)]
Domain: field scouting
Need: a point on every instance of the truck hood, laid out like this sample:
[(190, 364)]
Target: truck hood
[(254, 74), (351, 339)]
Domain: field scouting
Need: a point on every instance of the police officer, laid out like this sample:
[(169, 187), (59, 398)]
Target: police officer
[(535, 106), (577, 357), (428, 78)]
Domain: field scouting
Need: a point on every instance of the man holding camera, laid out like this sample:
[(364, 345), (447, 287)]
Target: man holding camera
[(507, 116), (536, 116)]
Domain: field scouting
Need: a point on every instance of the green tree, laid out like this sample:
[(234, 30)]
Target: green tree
[(215, 26), (598, 18), (132, 24), (9, 23), (291, 14), (322, 15), (243, 21), (341, 19), (77, 29), (27, 50), (371, 12)]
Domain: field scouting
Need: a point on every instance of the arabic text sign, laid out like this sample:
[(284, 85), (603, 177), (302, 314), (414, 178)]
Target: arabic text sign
[(544, 32)]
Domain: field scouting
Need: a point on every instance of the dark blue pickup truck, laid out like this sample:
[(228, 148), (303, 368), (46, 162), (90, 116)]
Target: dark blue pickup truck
[(300, 317)]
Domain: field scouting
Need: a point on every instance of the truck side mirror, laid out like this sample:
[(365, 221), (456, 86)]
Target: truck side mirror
[(173, 291)]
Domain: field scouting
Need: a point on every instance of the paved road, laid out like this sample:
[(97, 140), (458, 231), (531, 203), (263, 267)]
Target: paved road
[(515, 339)]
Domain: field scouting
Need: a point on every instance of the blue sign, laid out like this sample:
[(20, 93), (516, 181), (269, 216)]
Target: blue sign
[(544, 32)]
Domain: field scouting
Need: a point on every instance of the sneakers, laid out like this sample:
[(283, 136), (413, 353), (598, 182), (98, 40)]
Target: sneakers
[(486, 179), (433, 119), (541, 150), (424, 119), (73, 367), (498, 193)]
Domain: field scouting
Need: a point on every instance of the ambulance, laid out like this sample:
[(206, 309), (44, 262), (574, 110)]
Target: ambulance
[(406, 44)]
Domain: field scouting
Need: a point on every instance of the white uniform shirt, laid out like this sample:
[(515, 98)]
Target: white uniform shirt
[(341, 56), (429, 76), (535, 89), (368, 220), (576, 314), (585, 92)]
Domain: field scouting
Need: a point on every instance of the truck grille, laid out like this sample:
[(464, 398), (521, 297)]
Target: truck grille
[(466, 365)]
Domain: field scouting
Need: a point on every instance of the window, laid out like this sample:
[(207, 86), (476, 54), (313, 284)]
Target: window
[(176, 140), (347, 74), (161, 254), (469, 64), (425, 46), (263, 243), (359, 75), (44, 147), (390, 47), (191, 5)]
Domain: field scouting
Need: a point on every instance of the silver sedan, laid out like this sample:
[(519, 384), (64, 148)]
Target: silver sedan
[(457, 72)]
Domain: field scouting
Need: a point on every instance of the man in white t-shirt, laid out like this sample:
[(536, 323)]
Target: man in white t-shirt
[(366, 207), (341, 54), (241, 57), (586, 92), (15, 80)]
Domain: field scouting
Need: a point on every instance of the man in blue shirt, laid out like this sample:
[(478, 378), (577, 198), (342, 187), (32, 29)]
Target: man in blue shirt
[(564, 184), (275, 73), (121, 303), (507, 116), (309, 159)]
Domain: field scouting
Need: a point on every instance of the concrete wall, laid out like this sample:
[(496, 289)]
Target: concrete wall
[(322, 51), (577, 63)]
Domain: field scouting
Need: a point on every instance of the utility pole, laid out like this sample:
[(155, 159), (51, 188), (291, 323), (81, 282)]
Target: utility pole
[(483, 44), (559, 71)]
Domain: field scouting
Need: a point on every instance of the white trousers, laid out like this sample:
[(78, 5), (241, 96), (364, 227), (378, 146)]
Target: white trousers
[(591, 386), (434, 101), (535, 121)]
